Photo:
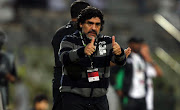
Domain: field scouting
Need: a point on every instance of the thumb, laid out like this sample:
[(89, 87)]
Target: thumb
[(113, 40), (92, 40)]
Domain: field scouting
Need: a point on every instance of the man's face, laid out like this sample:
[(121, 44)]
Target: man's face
[(91, 27), (135, 47)]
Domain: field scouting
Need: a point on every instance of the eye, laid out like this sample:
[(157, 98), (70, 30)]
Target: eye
[(98, 24), (89, 23)]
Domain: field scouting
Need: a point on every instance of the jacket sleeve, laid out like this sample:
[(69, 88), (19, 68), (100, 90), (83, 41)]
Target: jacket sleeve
[(119, 59), (67, 53)]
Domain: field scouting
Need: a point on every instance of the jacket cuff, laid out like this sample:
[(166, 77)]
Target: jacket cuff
[(122, 53)]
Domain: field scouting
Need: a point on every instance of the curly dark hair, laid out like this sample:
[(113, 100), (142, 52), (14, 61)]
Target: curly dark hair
[(88, 13)]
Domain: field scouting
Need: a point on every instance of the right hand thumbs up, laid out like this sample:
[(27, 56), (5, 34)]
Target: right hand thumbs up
[(90, 48), (92, 40)]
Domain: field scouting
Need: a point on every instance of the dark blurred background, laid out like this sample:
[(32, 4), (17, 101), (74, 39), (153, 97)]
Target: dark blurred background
[(31, 24)]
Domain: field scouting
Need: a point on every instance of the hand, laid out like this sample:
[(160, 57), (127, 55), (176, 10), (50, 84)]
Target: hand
[(127, 51), (116, 47), (90, 48), (145, 52)]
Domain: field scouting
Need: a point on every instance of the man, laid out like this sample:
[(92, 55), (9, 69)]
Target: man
[(7, 71), (86, 57), (132, 79), (69, 28)]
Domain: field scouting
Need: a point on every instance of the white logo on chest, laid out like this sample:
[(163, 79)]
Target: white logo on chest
[(102, 47)]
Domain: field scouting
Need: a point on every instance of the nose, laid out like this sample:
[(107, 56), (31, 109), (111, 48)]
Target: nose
[(94, 27)]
